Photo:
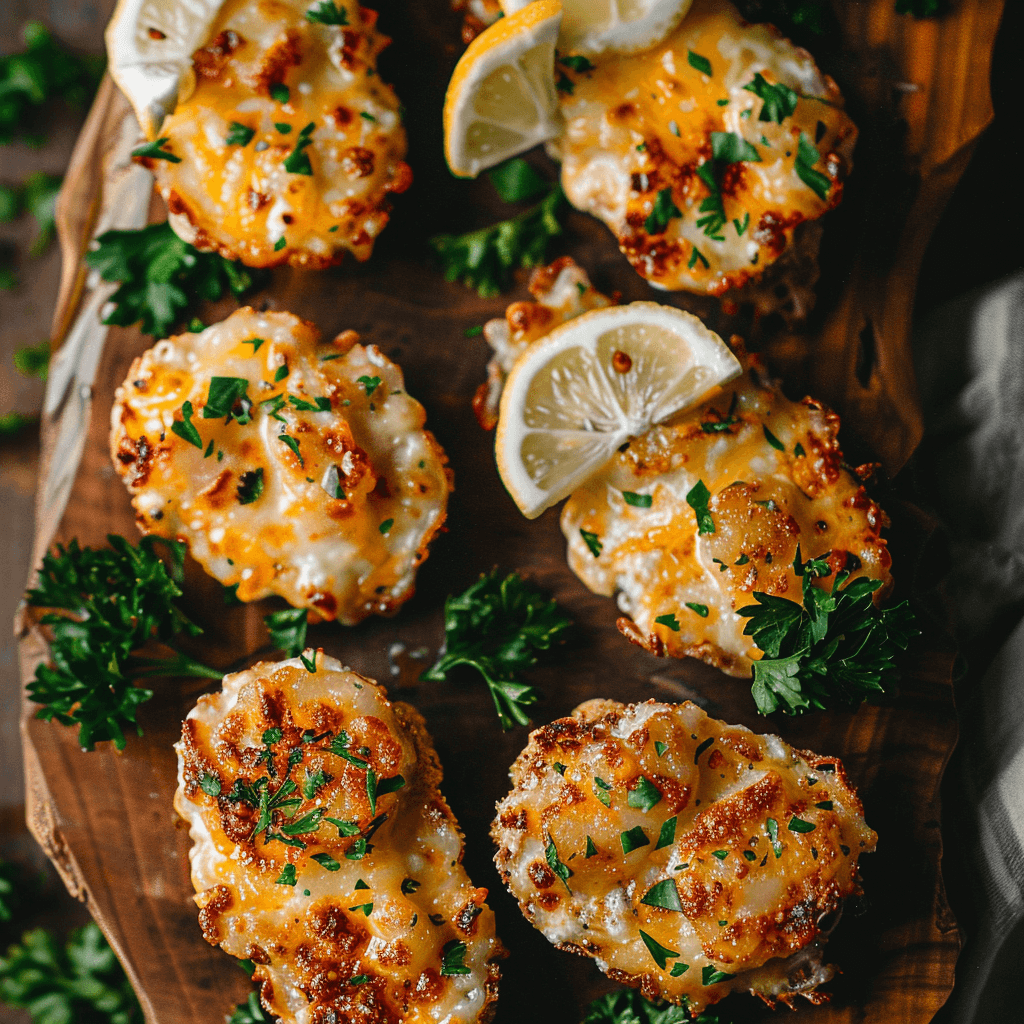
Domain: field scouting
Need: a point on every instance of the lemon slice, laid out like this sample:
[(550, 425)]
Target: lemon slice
[(577, 394), (501, 99), (620, 26), (149, 48)]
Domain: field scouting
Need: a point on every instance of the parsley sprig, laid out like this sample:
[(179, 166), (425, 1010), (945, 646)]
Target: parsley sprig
[(627, 1006), (162, 278), (496, 626), (44, 70), (106, 605), (485, 259), (835, 648), (80, 982)]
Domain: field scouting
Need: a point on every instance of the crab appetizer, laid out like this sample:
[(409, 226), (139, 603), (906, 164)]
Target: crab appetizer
[(324, 852), (289, 466), (687, 857), (283, 144)]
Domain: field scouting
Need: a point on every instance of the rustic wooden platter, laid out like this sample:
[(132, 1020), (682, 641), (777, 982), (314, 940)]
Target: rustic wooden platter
[(919, 92)]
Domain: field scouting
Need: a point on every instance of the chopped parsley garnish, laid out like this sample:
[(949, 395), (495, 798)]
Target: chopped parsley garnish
[(720, 854), (319, 404), (359, 979), (154, 151), (834, 648), (224, 395), (453, 955), (660, 747), (677, 971), (104, 606), (700, 609), (288, 630), (772, 439), (385, 527), (591, 849), (664, 895), (250, 486), (326, 12), (711, 975), (576, 63), (669, 620), (592, 541), (699, 63), (497, 626), (637, 500), (280, 244), (741, 225), (602, 790), (307, 823), (279, 92), (667, 836), (370, 384), (627, 1006), (289, 442), (287, 876), (161, 277), (279, 375), (555, 863), (696, 255), (659, 953), (730, 148), (365, 908), (283, 127), (806, 157), (772, 828), (297, 161), (825, 805), (800, 825), (663, 210), (326, 861), (345, 828), (644, 795), (209, 784), (697, 499), (238, 135), (632, 839), (778, 100), (311, 784), (485, 259), (184, 427)]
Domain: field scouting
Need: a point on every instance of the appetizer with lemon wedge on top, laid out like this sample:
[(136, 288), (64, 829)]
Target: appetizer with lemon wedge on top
[(272, 138), (289, 466), (720, 512), (710, 147)]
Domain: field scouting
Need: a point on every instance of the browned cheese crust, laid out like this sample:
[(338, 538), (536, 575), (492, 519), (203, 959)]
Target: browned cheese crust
[(324, 851), (687, 857)]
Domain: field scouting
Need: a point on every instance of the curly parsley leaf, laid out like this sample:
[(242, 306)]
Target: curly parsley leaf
[(627, 1006), (105, 605), (496, 626), (161, 277), (82, 981), (834, 649), (44, 70), (778, 100), (485, 259)]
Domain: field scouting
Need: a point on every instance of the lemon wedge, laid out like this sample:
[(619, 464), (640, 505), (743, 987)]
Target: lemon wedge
[(577, 394), (149, 49), (501, 99), (620, 26)]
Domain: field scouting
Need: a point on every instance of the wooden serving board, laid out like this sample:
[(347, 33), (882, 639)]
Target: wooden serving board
[(919, 92)]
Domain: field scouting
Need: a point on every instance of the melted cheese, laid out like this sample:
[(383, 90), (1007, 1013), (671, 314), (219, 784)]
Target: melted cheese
[(241, 200), (347, 936), (638, 125), (745, 889), (764, 503), (345, 556)]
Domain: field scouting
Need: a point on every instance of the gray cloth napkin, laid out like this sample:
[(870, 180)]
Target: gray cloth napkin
[(970, 366)]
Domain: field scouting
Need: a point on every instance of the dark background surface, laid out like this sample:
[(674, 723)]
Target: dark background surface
[(977, 241)]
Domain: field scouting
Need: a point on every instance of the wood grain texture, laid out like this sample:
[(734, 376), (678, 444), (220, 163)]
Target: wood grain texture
[(106, 818)]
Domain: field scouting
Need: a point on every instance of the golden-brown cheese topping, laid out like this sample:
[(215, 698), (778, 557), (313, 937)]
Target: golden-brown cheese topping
[(314, 479), (687, 857), (289, 143), (701, 178), (776, 479), (324, 852)]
